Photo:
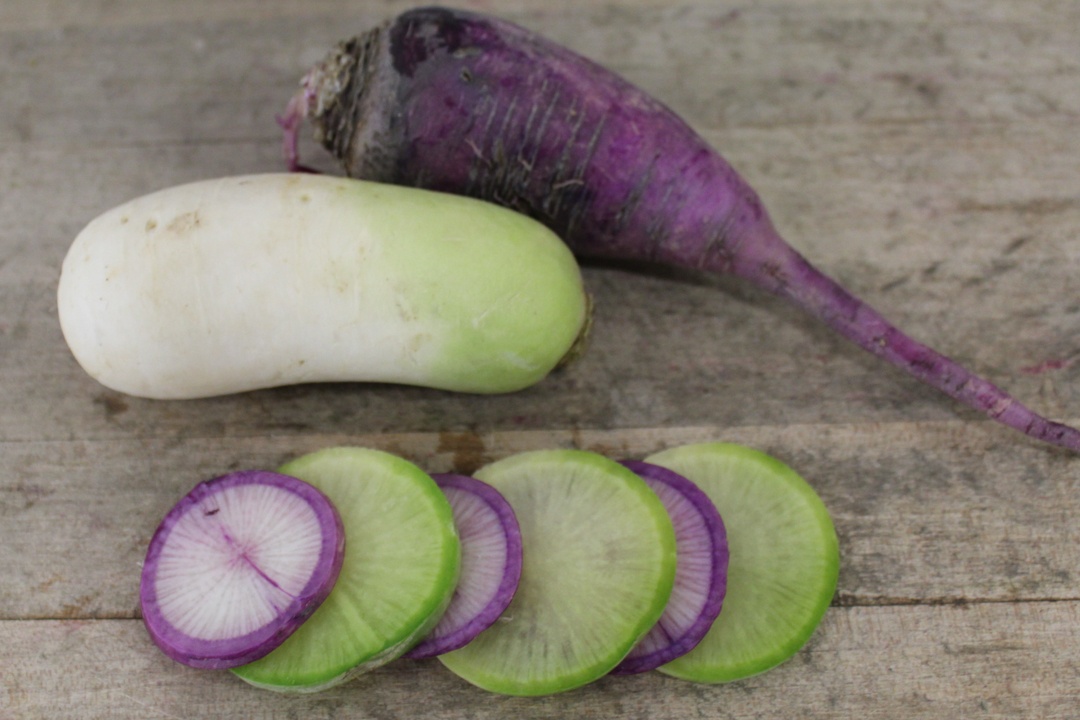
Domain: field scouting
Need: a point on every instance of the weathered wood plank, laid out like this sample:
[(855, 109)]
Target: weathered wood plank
[(768, 65), (977, 661), (932, 512), (45, 14)]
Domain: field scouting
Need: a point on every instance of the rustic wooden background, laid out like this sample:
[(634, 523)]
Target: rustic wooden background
[(925, 152)]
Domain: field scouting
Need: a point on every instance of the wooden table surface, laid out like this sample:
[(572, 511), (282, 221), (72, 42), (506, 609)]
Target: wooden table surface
[(924, 152)]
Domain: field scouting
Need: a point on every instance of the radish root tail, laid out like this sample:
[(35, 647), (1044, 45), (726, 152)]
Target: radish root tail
[(851, 317)]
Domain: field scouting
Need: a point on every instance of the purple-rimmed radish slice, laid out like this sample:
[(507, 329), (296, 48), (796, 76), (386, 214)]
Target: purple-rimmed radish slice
[(490, 564), (700, 575), (237, 566)]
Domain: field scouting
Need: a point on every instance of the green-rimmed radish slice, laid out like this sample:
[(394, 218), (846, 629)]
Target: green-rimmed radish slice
[(598, 568), (784, 560), (400, 569), (237, 566), (700, 576), (490, 564)]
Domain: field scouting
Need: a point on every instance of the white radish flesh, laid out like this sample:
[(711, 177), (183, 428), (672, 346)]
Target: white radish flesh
[(228, 285), (237, 566)]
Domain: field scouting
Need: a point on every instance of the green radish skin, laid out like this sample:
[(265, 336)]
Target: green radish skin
[(784, 555), (239, 283), (402, 563)]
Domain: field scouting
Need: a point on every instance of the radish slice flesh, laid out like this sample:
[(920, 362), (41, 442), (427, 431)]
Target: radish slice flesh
[(490, 564), (784, 565), (237, 566), (598, 567), (701, 550), (400, 571)]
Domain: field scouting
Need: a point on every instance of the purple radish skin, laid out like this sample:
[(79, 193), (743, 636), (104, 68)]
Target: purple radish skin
[(701, 551), (471, 104), (237, 566), (490, 564)]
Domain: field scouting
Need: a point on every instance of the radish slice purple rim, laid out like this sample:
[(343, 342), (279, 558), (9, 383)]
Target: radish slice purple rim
[(490, 564), (700, 574), (237, 566)]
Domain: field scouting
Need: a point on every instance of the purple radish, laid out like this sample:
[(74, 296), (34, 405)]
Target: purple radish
[(237, 566), (490, 564), (474, 105), (701, 552)]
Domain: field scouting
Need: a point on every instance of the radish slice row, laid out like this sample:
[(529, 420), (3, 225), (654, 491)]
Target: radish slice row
[(543, 573), (490, 564), (238, 565), (701, 550)]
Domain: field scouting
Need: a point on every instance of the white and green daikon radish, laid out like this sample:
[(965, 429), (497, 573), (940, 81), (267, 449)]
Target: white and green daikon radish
[(233, 284)]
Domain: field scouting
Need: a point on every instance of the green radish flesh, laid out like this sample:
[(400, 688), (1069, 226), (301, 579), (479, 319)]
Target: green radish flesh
[(239, 283), (401, 566), (783, 566), (598, 569)]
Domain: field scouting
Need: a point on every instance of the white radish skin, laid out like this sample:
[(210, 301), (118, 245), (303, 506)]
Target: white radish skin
[(234, 284)]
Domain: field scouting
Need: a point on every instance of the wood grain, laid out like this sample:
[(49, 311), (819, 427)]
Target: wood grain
[(976, 661), (924, 152), (915, 525)]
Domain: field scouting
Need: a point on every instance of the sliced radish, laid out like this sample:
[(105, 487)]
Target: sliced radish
[(237, 566), (700, 575), (598, 567), (399, 573), (784, 560), (490, 564)]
